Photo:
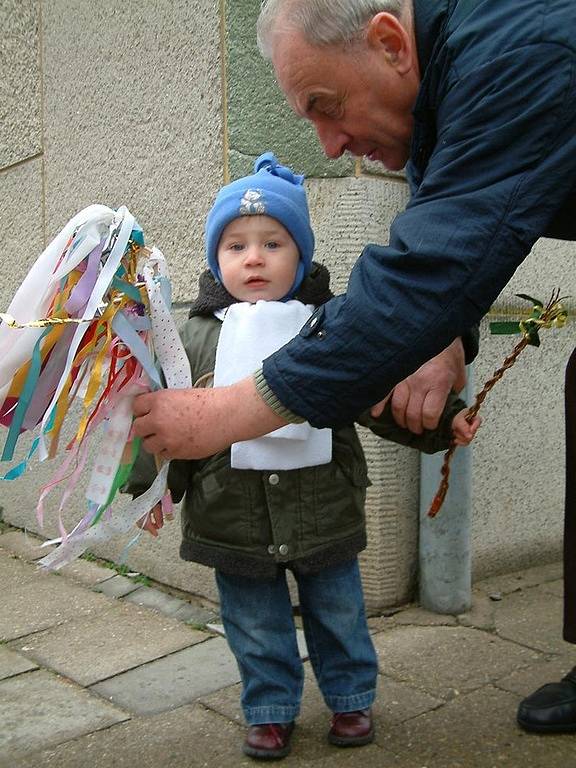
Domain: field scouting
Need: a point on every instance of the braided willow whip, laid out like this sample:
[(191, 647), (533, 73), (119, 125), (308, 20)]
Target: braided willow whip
[(549, 316)]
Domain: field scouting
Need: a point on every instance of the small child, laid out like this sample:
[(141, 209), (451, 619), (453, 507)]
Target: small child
[(291, 500)]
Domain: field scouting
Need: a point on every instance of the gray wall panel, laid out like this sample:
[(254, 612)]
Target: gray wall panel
[(133, 117), (20, 107)]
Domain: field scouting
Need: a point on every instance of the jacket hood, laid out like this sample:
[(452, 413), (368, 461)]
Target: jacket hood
[(315, 289)]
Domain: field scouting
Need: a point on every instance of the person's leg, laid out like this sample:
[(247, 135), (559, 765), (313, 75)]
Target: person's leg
[(552, 708), (341, 651), (570, 508), (257, 618)]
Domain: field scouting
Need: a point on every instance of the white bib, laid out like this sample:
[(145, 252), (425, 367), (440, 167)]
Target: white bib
[(251, 333)]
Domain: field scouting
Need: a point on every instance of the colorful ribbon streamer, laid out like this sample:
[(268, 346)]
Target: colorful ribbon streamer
[(91, 324)]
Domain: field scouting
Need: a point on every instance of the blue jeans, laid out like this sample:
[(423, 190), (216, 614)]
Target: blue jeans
[(257, 617)]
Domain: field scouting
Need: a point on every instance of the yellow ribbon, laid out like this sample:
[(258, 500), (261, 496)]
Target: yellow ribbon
[(553, 316)]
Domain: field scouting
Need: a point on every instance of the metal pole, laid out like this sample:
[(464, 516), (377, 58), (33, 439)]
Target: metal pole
[(445, 562)]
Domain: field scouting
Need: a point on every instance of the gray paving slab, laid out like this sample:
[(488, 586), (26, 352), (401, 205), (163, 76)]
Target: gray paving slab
[(188, 737), (118, 586), (554, 588), (45, 601), (532, 617), (173, 681), (423, 618), (395, 702), (156, 600), (482, 614), (309, 744), (39, 709), (87, 573), (444, 661), (193, 737), (15, 572), (196, 615), (383, 623), (476, 730), (12, 664), (512, 582), (447, 698), (23, 544), (91, 649), (525, 681)]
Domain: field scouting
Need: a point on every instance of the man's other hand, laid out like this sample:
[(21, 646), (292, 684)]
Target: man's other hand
[(418, 401)]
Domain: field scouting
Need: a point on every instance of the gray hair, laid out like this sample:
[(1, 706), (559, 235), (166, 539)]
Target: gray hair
[(321, 22)]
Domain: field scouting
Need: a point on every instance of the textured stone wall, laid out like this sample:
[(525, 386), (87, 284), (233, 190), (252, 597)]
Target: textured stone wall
[(154, 105)]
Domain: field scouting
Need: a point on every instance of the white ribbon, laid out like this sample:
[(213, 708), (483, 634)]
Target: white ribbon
[(175, 365), (124, 218), (119, 523), (32, 299)]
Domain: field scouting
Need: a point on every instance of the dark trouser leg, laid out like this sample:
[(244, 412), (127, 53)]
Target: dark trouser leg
[(570, 510), (552, 708)]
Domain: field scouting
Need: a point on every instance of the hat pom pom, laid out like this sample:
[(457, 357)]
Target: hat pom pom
[(269, 162)]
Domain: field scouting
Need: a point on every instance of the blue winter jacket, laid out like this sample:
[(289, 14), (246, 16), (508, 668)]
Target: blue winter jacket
[(492, 169)]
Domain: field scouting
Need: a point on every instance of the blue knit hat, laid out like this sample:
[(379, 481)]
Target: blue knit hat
[(273, 190)]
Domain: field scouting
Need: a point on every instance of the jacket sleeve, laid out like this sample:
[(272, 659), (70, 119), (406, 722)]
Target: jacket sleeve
[(503, 161), (430, 441)]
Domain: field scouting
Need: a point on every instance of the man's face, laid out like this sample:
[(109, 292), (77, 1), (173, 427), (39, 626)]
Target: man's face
[(357, 99)]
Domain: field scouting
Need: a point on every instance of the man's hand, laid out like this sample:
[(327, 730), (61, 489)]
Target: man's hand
[(418, 401), (195, 423)]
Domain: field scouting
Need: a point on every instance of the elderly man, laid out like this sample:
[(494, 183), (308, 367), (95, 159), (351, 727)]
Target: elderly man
[(479, 98)]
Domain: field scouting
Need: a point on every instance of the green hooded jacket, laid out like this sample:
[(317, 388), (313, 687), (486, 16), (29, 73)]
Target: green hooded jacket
[(253, 522)]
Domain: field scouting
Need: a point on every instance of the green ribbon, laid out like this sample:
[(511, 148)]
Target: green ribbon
[(552, 316)]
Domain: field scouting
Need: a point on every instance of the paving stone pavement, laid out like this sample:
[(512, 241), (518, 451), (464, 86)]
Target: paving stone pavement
[(98, 670)]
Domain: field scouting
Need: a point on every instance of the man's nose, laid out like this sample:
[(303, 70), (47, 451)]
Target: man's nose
[(334, 141)]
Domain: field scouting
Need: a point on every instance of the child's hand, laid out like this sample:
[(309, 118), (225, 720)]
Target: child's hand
[(154, 520), (462, 431)]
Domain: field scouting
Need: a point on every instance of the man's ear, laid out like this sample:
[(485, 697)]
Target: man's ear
[(386, 33)]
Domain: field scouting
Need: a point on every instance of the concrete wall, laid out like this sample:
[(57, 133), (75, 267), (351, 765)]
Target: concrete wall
[(155, 104)]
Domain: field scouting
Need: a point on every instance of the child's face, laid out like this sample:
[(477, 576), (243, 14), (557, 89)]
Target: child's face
[(258, 259)]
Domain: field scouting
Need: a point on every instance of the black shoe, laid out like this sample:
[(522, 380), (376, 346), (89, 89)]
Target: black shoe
[(550, 709)]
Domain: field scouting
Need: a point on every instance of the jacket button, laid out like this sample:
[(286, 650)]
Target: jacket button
[(274, 479), (283, 549), (271, 549)]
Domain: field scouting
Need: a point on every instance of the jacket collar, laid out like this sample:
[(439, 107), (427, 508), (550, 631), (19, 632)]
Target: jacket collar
[(315, 289), (429, 18)]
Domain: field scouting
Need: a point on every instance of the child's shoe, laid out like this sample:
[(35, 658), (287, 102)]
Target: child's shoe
[(269, 741), (351, 729)]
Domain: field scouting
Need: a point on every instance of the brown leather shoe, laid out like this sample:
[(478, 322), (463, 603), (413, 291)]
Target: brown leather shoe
[(269, 741), (352, 729)]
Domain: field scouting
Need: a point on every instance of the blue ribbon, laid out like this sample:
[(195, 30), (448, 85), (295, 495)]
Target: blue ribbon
[(24, 399)]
